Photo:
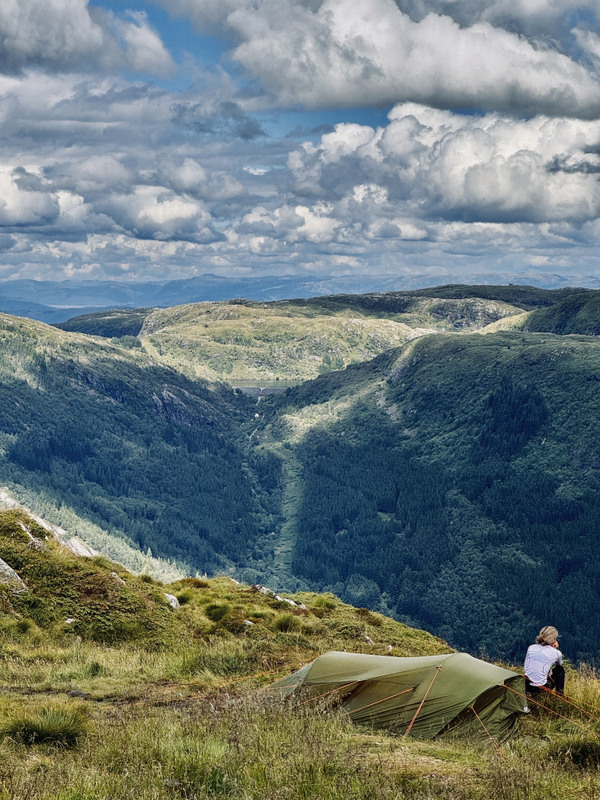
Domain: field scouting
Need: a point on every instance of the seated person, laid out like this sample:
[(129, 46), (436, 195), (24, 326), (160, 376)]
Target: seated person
[(543, 663)]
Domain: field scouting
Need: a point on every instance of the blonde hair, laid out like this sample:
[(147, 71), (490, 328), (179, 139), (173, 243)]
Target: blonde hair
[(548, 635)]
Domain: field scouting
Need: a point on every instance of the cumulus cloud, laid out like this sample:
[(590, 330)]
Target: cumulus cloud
[(103, 177), (445, 54), (536, 19), (65, 35), (441, 165), (22, 202)]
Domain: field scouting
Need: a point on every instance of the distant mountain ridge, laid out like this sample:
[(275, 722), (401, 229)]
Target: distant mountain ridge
[(57, 301), (243, 341)]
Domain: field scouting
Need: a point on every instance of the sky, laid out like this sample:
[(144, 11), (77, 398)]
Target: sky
[(436, 141)]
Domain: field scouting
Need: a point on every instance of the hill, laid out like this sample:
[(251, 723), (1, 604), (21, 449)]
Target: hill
[(116, 446), (109, 690), (60, 595), (454, 483), (295, 340), (451, 482), (577, 313)]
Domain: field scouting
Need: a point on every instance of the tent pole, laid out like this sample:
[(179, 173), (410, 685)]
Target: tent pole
[(421, 704), (494, 742)]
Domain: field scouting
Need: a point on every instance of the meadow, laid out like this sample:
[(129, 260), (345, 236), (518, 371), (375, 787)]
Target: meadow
[(188, 715)]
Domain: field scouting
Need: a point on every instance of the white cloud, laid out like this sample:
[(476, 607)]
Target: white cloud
[(62, 35), (351, 53), (440, 164), (533, 18), (155, 212), (103, 177), (20, 207)]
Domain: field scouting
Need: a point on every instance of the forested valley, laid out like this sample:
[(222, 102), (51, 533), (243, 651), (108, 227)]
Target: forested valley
[(451, 482)]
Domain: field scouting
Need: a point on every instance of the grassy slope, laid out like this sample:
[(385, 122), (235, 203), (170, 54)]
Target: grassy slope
[(293, 340), (578, 313), (174, 708), (117, 323)]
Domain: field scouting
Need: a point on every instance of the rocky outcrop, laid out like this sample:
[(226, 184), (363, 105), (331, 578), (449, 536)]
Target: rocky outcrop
[(172, 600), (9, 577), (72, 543)]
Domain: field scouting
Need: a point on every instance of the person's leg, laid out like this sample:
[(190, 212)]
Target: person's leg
[(556, 679), (530, 688)]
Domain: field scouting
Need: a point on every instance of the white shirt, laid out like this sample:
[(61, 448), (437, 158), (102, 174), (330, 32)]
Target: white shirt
[(539, 661)]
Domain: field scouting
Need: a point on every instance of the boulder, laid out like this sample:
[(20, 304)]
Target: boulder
[(10, 578), (172, 600)]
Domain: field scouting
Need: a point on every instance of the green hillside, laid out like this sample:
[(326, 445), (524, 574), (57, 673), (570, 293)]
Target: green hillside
[(92, 434), (293, 340), (107, 690), (451, 482), (578, 313), (296, 340), (118, 323), (65, 596), (454, 483)]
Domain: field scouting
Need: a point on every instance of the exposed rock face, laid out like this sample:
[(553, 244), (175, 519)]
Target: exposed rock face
[(77, 547), (191, 412), (10, 577), (270, 593), (172, 600), (36, 544)]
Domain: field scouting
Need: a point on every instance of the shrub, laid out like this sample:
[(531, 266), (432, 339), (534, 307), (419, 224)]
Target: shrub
[(216, 611), (24, 625), (185, 596), (195, 583), (579, 751), (368, 616), (286, 623), (322, 601), (52, 725), (95, 668)]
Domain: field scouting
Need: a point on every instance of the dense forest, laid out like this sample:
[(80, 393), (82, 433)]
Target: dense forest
[(463, 493), (451, 482), (129, 445)]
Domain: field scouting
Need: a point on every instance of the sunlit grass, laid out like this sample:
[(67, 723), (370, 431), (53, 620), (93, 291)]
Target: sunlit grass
[(189, 717)]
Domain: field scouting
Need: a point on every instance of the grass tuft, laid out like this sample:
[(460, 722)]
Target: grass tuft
[(580, 751), (216, 611), (286, 623), (54, 725)]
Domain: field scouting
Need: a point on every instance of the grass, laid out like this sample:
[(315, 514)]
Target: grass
[(186, 715), (192, 721), (298, 340), (54, 725), (232, 741)]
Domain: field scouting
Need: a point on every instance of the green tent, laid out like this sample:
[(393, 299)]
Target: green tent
[(428, 696)]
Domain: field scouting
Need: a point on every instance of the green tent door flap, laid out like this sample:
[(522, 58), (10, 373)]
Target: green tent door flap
[(429, 696)]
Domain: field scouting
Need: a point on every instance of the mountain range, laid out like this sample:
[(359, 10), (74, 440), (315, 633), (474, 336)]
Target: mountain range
[(57, 301), (449, 479)]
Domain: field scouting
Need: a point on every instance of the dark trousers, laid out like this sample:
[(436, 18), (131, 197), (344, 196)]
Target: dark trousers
[(555, 682)]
